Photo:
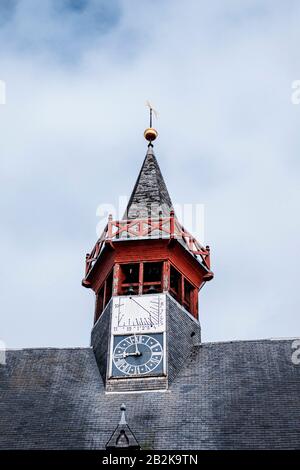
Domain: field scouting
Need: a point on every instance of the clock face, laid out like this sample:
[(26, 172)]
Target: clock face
[(136, 355), (139, 313)]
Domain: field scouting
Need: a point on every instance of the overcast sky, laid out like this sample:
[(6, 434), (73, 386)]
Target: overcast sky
[(77, 76)]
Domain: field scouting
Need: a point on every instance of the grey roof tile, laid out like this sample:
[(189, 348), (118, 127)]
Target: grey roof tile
[(235, 395)]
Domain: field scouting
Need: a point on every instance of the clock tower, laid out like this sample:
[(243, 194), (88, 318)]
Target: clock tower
[(146, 271)]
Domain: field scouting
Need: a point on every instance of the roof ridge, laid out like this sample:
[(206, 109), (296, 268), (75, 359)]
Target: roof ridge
[(248, 340), (50, 348)]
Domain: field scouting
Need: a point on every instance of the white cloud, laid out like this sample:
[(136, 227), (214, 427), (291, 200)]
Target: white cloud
[(71, 138)]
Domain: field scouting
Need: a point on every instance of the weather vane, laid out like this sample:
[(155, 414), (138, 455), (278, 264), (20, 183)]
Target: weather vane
[(150, 134), (152, 110)]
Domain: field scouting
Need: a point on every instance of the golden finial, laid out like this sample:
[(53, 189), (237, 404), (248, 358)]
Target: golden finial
[(150, 134)]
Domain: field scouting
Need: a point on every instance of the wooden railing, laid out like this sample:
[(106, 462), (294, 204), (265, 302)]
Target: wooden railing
[(153, 228)]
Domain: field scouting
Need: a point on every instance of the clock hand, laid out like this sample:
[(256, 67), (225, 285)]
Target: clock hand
[(136, 346), (125, 354), (146, 310)]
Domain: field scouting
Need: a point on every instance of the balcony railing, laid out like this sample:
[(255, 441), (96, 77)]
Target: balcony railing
[(148, 228)]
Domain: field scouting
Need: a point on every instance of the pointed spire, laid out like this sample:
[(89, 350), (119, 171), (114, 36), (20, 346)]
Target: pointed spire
[(122, 437), (123, 418), (150, 195)]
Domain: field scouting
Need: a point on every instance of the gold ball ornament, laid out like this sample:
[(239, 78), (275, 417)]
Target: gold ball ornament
[(150, 134)]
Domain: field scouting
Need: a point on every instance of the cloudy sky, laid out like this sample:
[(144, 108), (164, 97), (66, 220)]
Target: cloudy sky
[(77, 75)]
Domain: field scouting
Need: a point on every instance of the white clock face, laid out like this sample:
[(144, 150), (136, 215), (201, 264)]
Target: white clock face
[(139, 313)]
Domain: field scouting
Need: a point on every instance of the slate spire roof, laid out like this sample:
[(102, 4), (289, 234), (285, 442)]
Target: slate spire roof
[(150, 195)]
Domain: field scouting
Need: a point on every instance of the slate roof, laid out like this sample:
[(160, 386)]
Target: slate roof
[(150, 192), (230, 395)]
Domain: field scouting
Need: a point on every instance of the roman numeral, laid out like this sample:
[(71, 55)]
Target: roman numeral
[(126, 368), (155, 361), (120, 362)]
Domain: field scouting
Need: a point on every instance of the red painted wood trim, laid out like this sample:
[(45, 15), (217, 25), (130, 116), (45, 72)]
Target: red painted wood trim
[(166, 276), (182, 290), (141, 278), (116, 279)]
